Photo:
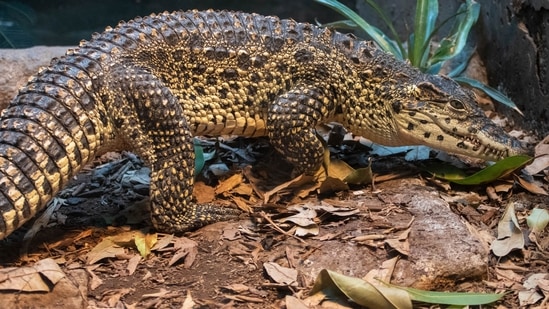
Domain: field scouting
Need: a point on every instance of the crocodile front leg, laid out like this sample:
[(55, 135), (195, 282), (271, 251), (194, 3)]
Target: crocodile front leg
[(292, 118), (151, 119)]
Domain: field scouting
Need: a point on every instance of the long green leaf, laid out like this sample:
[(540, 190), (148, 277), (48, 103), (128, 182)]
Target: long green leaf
[(493, 93), (486, 175), (453, 44), (340, 24), (462, 299), (377, 35), (424, 24), (389, 23)]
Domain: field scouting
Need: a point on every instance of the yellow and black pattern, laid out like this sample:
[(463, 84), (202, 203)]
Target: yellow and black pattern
[(150, 84)]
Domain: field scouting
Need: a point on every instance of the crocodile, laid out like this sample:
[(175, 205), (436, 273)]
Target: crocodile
[(150, 84)]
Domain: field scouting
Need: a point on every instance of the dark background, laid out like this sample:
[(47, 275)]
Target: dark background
[(62, 22)]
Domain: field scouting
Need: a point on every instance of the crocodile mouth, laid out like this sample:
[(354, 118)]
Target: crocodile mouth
[(488, 142), (475, 147)]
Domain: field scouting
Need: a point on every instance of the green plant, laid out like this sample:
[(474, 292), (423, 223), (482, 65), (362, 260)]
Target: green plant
[(420, 49)]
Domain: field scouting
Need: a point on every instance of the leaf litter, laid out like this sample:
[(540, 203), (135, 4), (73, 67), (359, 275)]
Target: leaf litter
[(156, 270)]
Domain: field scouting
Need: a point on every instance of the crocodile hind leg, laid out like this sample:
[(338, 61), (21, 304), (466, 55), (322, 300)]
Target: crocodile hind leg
[(292, 118), (151, 119)]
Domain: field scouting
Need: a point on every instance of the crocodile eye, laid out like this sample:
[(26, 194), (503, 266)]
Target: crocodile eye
[(456, 104)]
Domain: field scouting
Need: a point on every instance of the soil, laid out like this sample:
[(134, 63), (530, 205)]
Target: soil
[(230, 267)]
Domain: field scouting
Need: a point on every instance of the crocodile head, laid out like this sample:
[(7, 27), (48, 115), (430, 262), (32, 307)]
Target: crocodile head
[(435, 111)]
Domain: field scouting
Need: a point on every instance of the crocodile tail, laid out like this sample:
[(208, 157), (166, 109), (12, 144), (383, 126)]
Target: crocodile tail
[(50, 130)]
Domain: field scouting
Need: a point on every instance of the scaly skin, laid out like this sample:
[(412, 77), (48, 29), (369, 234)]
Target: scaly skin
[(150, 84)]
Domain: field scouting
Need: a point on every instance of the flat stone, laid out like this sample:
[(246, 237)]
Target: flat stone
[(442, 250), (16, 65)]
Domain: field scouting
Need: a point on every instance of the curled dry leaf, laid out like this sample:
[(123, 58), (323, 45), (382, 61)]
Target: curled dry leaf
[(280, 274), (186, 249), (509, 233), (189, 302), (107, 248), (38, 278)]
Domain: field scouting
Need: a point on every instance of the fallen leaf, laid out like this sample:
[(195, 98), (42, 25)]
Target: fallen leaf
[(112, 296), (186, 249), (360, 291), (237, 288), (163, 292), (538, 219), (164, 241), (530, 186), (280, 274), (189, 302), (530, 295), (401, 243), (133, 262), (294, 303), (510, 235), (38, 278), (305, 183), (144, 242), (382, 274), (95, 281), (229, 183), (107, 248), (203, 193), (339, 169), (541, 160)]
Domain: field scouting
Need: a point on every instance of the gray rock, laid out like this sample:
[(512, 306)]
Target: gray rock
[(16, 65)]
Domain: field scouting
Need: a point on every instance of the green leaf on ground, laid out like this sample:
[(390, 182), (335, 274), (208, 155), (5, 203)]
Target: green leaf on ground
[(381, 295), (498, 170), (359, 291), (451, 298)]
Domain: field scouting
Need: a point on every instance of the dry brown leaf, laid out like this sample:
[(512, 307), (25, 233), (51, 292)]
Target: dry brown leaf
[(163, 292), (328, 236), (530, 186), (189, 302), (187, 249), (507, 274), (244, 298), (294, 303), (237, 288), (132, 264), (302, 181), (69, 240), (541, 160), (231, 233), (244, 189), (332, 184), (280, 274), (203, 193), (164, 241), (241, 204), (95, 281), (112, 297), (38, 278), (383, 274), (107, 248), (510, 236), (229, 183)]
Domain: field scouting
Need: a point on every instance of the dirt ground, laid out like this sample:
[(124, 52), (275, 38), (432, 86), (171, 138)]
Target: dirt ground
[(260, 260)]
